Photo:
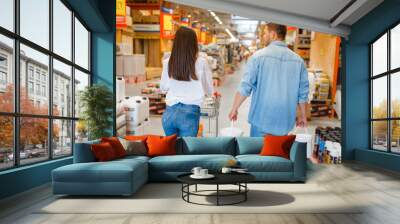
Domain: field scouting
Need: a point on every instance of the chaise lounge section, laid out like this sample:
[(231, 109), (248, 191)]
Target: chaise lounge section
[(125, 176)]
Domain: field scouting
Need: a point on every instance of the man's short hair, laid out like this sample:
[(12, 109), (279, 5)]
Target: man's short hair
[(279, 29)]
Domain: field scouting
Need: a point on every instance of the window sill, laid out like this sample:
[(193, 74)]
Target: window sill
[(30, 166)]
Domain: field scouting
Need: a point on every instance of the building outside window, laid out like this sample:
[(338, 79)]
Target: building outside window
[(385, 94), (58, 128)]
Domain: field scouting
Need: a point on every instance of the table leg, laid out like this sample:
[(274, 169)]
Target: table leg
[(196, 187), (217, 194), (245, 193)]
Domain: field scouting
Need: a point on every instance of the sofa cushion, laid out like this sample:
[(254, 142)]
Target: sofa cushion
[(185, 163), (249, 145), (103, 152), (161, 145), (257, 163), (209, 145), (112, 171)]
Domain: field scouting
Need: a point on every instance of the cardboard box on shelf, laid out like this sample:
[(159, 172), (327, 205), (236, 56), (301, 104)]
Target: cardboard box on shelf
[(151, 19), (137, 16), (153, 72)]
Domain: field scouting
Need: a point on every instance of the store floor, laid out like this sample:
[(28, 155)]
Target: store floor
[(227, 90)]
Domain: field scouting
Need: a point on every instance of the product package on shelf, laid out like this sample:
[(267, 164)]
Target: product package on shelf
[(120, 89), (327, 147), (319, 85), (133, 111), (156, 98), (131, 67)]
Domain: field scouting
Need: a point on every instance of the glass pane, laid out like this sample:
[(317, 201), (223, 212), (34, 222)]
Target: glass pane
[(81, 45), (34, 72), (395, 138), (379, 135), (33, 139), (35, 21), (6, 142), (62, 89), (379, 97), (6, 74), (62, 138), (62, 29), (395, 94), (379, 56), (395, 47), (81, 131), (81, 81), (7, 14)]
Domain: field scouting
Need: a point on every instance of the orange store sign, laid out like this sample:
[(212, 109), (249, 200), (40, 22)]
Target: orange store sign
[(121, 8)]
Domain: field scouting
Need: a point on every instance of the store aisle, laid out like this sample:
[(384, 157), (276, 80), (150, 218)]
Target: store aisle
[(228, 90)]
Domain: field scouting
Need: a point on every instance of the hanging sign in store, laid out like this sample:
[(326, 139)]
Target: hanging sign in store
[(185, 21), (121, 8), (203, 35), (166, 23)]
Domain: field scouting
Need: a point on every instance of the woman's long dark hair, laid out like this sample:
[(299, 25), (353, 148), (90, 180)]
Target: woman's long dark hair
[(181, 65)]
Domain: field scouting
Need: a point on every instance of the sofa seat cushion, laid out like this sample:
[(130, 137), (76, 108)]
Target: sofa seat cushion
[(113, 171), (257, 163), (185, 163)]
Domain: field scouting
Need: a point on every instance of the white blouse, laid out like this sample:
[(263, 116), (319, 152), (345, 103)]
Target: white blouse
[(188, 92)]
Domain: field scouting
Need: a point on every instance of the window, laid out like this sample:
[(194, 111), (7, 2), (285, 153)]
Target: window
[(62, 76), (41, 124), (35, 21), (30, 87), (81, 45), (7, 14), (385, 94), (6, 73), (62, 29)]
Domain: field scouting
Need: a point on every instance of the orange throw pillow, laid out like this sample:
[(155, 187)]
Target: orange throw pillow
[(116, 145), (161, 146), (142, 138), (277, 145), (103, 152)]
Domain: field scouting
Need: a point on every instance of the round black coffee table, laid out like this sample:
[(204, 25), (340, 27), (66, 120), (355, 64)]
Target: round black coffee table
[(238, 179)]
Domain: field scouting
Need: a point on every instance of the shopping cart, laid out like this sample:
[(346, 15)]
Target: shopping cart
[(210, 111)]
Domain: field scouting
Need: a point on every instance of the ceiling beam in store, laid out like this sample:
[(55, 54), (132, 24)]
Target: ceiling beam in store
[(347, 11), (268, 15)]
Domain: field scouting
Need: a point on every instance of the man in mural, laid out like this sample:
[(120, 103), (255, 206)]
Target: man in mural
[(277, 79)]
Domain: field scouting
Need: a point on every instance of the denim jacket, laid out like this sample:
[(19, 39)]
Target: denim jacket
[(277, 79)]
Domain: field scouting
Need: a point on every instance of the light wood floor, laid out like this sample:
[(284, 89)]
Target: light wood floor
[(377, 188)]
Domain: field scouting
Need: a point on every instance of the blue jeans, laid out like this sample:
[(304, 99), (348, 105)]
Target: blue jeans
[(181, 119)]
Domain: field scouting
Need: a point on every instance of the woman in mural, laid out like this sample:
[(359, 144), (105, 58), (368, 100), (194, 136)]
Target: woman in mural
[(186, 79)]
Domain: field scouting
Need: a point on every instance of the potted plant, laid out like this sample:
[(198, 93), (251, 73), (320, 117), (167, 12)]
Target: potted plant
[(96, 104)]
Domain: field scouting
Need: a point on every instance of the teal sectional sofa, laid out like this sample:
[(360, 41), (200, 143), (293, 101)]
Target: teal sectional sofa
[(125, 176)]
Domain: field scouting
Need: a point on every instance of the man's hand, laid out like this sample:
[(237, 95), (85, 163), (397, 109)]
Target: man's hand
[(302, 119), (235, 107), (302, 122), (233, 115)]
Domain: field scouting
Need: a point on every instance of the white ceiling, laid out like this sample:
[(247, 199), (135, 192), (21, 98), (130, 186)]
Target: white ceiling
[(315, 15), (321, 9)]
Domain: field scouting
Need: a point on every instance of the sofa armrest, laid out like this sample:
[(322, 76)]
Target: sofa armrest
[(83, 152), (298, 155)]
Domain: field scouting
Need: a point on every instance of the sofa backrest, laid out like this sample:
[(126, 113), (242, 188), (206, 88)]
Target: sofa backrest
[(249, 145), (83, 152), (206, 145)]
